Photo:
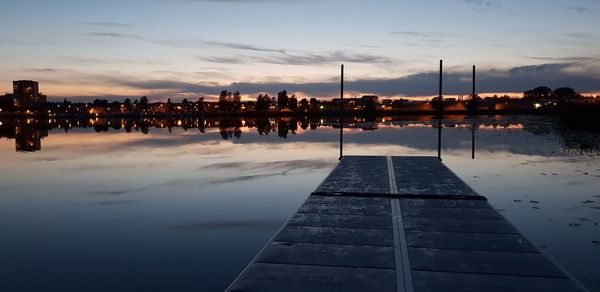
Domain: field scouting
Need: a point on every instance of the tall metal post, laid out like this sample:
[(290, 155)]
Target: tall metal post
[(473, 96), (342, 113), (439, 114)]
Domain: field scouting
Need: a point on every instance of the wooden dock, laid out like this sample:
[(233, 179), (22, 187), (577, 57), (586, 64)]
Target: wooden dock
[(399, 224)]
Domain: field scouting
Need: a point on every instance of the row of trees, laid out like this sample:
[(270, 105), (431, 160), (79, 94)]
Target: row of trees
[(229, 101), (562, 94)]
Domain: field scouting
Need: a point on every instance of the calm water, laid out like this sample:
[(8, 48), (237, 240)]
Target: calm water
[(186, 208)]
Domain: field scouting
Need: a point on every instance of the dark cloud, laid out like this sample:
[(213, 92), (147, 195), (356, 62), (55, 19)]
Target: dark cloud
[(106, 24), (241, 46), (562, 59)]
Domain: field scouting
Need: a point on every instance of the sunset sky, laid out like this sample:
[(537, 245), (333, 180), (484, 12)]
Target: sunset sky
[(188, 48)]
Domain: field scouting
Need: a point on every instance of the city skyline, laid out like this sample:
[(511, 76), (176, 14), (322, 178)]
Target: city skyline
[(188, 48)]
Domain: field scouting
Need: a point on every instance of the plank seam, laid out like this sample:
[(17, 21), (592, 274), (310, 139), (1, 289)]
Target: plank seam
[(400, 282), (403, 273), (334, 243), (392, 176), (322, 265), (403, 248)]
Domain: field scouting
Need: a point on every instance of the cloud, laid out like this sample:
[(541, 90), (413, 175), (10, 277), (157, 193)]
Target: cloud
[(483, 5), (106, 24), (87, 61), (241, 46), (282, 57), (113, 35)]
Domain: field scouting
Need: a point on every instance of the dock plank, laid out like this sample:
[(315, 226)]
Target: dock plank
[(427, 281), (469, 241), (485, 262), (300, 278), (459, 225), (339, 255), (355, 236), (347, 221)]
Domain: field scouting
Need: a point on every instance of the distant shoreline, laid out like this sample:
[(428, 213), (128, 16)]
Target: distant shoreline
[(583, 109)]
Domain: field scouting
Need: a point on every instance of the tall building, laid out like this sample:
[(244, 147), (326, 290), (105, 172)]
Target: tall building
[(26, 94)]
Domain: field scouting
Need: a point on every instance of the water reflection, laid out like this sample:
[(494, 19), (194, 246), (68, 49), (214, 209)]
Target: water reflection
[(28, 133), (184, 204)]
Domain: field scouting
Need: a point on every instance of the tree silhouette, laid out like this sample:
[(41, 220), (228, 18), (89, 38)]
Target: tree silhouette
[(565, 94), (169, 105), (282, 100), (314, 104), (225, 101), (538, 93), (236, 102), (127, 105), (303, 104), (263, 102), (293, 102), (201, 106)]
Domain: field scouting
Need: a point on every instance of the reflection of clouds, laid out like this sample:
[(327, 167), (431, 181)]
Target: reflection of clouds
[(119, 192), (217, 181), (288, 165), (47, 159), (220, 225), (116, 202), (116, 166)]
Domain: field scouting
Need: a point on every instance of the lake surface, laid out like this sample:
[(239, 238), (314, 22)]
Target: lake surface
[(180, 205)]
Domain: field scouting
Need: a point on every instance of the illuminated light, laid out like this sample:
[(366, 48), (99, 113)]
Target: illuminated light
[(321, 107), (537, 105), (28, 111), (179, 123), (49, 111), (0, 123)]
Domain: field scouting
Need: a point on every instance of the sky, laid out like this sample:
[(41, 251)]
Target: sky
[(192, 48)]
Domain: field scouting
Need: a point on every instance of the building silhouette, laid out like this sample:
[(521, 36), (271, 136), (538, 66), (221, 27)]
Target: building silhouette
[(26, 95)]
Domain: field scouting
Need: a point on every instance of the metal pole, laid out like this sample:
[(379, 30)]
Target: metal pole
[(342, 113), (473, 96), (439, 114)]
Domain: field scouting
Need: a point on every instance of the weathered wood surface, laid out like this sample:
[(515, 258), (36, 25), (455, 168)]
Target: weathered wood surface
[(436, 234)]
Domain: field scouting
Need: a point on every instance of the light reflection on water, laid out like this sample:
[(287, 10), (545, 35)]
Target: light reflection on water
[(179, 209)]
